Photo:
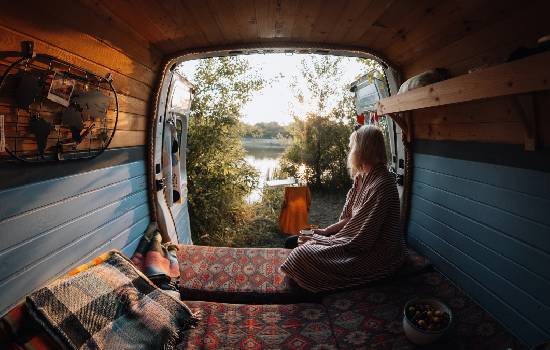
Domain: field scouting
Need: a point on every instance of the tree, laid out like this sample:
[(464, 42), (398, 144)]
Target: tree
[(265, 130), (320, 133), (219, 177)]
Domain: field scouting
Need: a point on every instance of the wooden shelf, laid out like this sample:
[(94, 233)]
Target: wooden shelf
[(518, 77)]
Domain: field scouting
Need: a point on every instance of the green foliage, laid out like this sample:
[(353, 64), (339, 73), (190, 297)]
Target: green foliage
[(263, 130), (320, 135), (219, 177), (262, 224), (321, 144), (372, 69)]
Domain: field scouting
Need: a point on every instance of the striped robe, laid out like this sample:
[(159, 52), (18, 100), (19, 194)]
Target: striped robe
[(369, 247)]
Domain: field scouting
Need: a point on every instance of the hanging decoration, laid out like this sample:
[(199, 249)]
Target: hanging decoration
[(53, 110)]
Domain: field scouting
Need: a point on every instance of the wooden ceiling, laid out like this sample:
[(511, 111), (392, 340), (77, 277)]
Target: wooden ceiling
[(402, 31), (399, 30)]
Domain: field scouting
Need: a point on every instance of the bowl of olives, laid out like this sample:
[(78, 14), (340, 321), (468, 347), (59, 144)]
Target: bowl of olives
[(425, 320)]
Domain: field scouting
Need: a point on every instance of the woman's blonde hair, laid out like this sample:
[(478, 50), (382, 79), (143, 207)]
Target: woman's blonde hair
[(367, 147)]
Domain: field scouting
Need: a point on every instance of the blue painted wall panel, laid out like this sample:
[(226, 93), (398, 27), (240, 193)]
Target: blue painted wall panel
[(509, 258), (485, 297), (17, 257), (487, 227), (52, 191), (506, 177), (51, 226), (180, 215), (28, 224), (508, 200)]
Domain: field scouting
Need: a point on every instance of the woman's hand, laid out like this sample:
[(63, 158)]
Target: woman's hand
[(321, 231), (304, 239)]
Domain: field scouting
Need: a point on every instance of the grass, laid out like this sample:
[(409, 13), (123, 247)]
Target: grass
[(258, 224)]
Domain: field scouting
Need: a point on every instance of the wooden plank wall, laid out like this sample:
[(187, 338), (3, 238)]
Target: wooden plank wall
[(493, 120), (462, 45), (61, 215), (100, 44)]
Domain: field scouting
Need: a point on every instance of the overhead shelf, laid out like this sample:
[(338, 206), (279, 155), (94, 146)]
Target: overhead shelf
[(518, 77)]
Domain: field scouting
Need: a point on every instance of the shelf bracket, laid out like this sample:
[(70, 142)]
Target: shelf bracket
[(404, 121), (525, 107)]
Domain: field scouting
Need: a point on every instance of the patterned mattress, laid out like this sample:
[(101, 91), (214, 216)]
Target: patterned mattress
[(366, 318), (236, 275), (371, 317), (250, 275), (236, 326)]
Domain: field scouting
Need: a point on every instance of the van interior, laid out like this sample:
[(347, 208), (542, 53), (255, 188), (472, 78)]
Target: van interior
[(90, 107)]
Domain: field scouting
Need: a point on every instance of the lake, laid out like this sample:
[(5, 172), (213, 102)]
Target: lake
[(265, 158)]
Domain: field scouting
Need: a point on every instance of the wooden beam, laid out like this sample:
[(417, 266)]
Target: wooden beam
[(525, 106), (523, 76)]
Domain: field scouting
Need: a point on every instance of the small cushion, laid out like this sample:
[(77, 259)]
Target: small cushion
[(109, 305), (236, 326), (237, 275), (423, 79), (371, 317)]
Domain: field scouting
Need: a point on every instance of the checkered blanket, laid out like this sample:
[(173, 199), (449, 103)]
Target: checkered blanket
[(110, 306)]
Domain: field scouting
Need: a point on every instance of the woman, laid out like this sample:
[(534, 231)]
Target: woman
[(366, 244)]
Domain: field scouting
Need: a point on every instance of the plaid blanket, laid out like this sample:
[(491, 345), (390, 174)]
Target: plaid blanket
[(19, 331), (110, 306)]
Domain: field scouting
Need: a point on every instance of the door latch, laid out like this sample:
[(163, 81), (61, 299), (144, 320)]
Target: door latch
[(160, 184)]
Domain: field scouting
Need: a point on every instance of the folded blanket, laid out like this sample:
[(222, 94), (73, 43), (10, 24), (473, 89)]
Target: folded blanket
[(156, 260), (110, 306)]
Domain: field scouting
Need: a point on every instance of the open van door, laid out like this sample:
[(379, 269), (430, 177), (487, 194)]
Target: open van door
[(170, 198), (396, 134), (368, 91)]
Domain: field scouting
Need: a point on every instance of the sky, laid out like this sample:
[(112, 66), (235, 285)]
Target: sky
[(274, 102)]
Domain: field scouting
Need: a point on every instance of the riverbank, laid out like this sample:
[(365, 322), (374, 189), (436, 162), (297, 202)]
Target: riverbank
[(265, 143), (263, 230)]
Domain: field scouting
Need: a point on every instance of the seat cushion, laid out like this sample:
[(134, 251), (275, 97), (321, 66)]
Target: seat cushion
[(237, 326), (372, 317), (237, 275)]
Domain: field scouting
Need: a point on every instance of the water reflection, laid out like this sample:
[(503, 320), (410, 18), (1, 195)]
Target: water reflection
[(265, 160)]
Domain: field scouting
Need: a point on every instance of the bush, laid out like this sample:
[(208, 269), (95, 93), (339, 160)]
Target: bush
[(320, 136), (318, 152), (219, 178), (261, 227)]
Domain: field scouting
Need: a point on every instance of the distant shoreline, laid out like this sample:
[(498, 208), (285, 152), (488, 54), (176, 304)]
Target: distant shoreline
[(265, 143)]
